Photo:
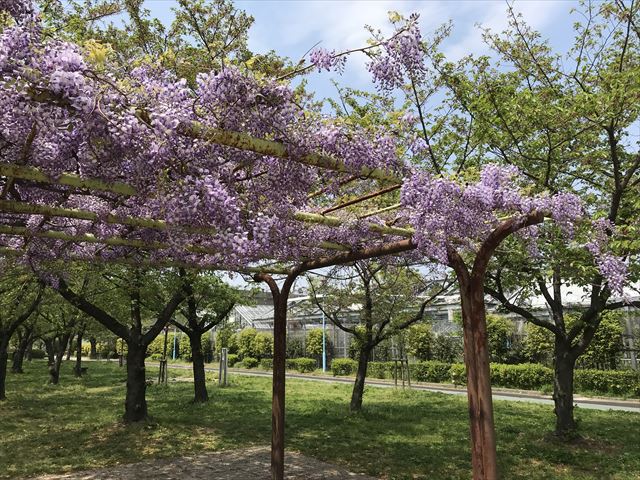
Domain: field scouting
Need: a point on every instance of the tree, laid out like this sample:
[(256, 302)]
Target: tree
[(141, 290), (420, 341), (388, 303), (314, 347), (565, 125), (209, 302), (20, 295), (60, 320), (499, 336), (604, 351)]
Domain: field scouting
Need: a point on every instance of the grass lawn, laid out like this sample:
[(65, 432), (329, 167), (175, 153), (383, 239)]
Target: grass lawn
[(400, 435)]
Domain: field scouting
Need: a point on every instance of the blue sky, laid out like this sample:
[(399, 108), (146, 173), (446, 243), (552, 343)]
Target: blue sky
[(292, 27)]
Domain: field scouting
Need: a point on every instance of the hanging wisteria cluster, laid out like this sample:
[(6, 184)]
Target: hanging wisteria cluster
[(222, 203)]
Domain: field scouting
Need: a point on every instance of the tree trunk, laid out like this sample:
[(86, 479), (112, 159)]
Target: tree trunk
[(78, 368), (135, 406), (29, 352), (94, 348), (54, 368), (4, 358), (18, 355), (48, 346), (199, 382), (361, 375), (70, 349), (564, 365), (476, 358)]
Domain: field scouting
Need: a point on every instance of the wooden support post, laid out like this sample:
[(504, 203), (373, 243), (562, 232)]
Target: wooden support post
[(280, 298)]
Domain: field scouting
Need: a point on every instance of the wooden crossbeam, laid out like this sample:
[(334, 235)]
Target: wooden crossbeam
[(31, 173), (381, 210), (269, 269), (69, 179), (243, 141), (361, 199), (11, 206)]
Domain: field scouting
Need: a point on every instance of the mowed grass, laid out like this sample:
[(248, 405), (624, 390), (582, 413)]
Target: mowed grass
[(400, 434)]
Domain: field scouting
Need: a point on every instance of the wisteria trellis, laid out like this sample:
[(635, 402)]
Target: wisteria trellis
[(226, 175)]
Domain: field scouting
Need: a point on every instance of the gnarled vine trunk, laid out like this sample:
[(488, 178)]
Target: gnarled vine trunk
[(476, 359)]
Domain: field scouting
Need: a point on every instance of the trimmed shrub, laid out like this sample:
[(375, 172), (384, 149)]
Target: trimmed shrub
[(617, 382), (434, 372), (380, 369), (458, 374), (303, 365), (266, 364), (232, 359), (343, 366), (249, 362), (527, 376), (447, 349)]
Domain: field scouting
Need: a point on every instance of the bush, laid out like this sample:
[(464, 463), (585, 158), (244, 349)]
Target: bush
[(38, 354), (156, 356), (499, 336), (156, 347), (380, 369), (232, 359), (294, 347), (249, 362), (447, 349), (527, 376), (420, 340), (303, 365), (434, 372), (343, 366), (266, 364), (458, 374), (617, 382)]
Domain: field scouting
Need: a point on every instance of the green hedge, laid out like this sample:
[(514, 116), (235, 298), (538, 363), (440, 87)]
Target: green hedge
[(266, 363), (525, 376), (431, 371), (232, 359), (249, 362), (343, 366), (617, 382), (303, 365)]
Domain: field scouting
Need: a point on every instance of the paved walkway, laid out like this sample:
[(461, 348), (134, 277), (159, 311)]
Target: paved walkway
[(250, 464)]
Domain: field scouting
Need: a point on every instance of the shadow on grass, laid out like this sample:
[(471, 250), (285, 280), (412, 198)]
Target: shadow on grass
[(399, 434)]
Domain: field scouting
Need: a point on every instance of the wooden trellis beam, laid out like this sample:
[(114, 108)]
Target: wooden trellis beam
[(361, 199), (144, 262), (381, 210), (31, 173), (11, 206), (69, 179), (271, 148)]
